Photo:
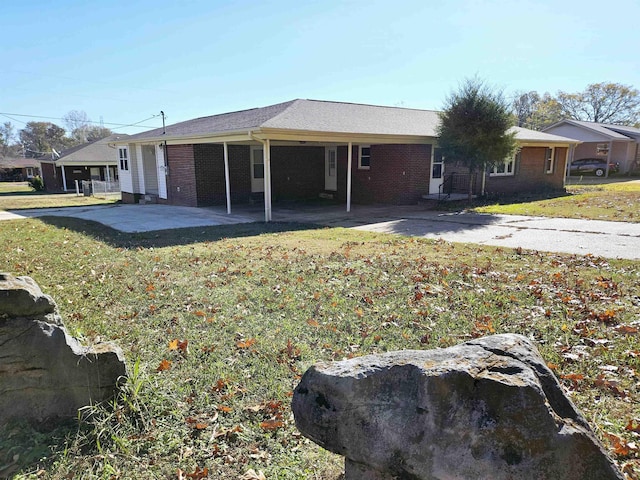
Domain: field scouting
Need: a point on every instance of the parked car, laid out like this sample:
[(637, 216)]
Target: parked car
[(595, 166)]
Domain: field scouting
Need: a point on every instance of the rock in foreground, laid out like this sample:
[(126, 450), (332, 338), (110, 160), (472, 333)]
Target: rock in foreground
[(45, 373), (488, 408)]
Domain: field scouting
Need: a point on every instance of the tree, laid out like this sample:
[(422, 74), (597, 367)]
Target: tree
[(8, 146), (77, 123), (524, 104), (547, 111), (40, 138), (473, 128), (96, 132), (81, 131), (603, 103)]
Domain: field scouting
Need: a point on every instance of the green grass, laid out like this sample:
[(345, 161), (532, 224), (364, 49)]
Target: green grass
[(257, 305), (15, 188), (19, 195), (607, 201)]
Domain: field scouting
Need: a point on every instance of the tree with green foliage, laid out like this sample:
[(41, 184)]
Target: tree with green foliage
[(41, 138), (8, 146), (611, 103), (474, 128), (604, 102)]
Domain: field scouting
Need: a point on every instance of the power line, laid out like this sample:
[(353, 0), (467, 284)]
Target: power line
[(136, 124)]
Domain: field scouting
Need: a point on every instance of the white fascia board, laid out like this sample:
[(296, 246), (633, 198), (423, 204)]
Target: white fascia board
[(229, 137), (543, 143), (86, 164), (340, 137)]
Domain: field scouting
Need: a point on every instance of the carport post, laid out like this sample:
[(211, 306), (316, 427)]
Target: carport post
[(267, 180), (107, 177), (349, 160), (64, 178), (226, 177)]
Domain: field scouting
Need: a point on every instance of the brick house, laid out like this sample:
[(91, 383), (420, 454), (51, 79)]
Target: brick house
[(18, 169), (90, 161), (305, 149)]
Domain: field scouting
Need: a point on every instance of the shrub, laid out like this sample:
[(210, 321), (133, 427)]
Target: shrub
[(36, 183)]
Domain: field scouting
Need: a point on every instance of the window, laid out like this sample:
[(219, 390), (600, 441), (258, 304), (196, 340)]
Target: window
[(602, 149), (548, 160), (30, 172), (504, 169), (258, 163), (364, 157), (123, 155)]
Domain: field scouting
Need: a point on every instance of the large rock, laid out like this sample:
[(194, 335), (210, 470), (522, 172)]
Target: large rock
[(44, 372), (485, 409)]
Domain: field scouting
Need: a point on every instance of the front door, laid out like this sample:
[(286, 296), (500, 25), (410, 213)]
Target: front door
[(257, 169), (330, 169), (437, 171)]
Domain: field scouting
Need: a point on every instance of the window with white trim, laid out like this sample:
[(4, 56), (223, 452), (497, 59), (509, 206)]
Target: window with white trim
[(548, 160), (364, 157), (123, 156), (504, 169)]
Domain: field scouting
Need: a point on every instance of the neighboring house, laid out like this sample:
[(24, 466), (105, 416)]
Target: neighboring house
[(90, 161), (303, 149), (615, 143), (18, 169)]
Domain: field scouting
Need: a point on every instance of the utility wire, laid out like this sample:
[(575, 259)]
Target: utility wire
[(136, 124)]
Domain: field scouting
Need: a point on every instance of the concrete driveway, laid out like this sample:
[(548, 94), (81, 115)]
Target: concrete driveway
[(605, 239)]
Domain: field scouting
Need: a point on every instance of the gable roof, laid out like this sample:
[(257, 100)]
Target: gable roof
[(614, 132), (18, 162), (307, 115), (525, 135), (98, 152)]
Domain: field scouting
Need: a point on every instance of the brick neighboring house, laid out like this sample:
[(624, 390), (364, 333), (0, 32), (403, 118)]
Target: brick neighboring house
[(18, 169), (614, 143), (303, 149), (90, 161)]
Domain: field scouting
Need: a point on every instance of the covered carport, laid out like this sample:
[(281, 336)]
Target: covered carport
[(351, 136)]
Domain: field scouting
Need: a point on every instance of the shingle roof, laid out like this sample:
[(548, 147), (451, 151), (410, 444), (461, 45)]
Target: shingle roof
[(309, 115), (526, 135), (615, 132), (18, 162), (97, 152)]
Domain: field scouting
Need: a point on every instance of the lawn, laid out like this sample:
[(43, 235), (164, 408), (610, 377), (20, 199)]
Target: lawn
[(619, 201), (218, 324), (19, 195)]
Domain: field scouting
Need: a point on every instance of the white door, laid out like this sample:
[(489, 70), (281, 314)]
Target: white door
[(437, 171), (330, 169), (257, 169)]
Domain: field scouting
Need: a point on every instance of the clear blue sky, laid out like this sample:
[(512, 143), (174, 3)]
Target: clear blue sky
[(125, 61)]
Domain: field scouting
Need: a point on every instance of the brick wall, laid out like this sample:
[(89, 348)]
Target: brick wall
[(399, 174), (52, 179), (297, 173), (530, 175), (209, 174), (181, 181)]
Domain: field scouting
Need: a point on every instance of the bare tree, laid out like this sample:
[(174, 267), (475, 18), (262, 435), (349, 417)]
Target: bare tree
[(77, 123)]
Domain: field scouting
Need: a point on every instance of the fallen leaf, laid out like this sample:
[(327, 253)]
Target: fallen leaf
[(246, 343), (271, 425), (252, 475), (164, 365)]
